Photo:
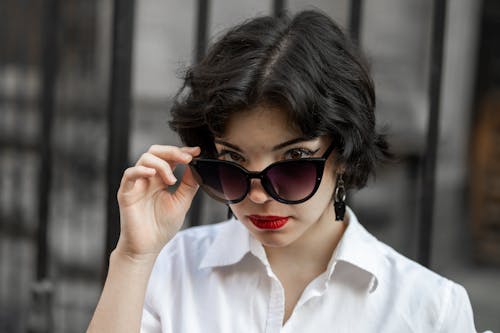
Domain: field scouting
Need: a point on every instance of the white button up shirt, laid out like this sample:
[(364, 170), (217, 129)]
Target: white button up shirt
[(217, 278)]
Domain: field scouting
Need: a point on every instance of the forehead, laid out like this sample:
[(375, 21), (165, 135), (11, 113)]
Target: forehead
[(263, 125)]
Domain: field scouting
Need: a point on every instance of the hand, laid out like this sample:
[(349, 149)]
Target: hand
[(149, 214)]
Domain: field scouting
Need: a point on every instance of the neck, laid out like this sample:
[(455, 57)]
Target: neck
[(318, 242)]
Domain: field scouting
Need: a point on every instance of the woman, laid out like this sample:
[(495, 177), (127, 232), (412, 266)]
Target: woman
[(278, 122)]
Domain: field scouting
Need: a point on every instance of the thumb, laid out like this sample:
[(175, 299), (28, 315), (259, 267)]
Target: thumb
[(187, 187)]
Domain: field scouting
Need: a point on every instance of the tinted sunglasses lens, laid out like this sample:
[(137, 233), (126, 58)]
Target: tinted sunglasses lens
[(233, 182), (223, 181), (293, 181)]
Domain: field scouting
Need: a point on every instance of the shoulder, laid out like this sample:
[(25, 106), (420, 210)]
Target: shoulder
[(402, 270), (417, 298), (424, 298)]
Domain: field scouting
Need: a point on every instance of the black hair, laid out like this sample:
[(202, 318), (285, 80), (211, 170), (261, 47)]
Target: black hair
[(304, 64)]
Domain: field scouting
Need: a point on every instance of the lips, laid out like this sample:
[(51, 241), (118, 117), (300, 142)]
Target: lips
[(268, 222)]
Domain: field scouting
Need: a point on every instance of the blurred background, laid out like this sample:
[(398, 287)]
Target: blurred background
[(85, 88)]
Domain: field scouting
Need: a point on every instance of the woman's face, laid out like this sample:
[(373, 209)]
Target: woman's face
[(250, 140)]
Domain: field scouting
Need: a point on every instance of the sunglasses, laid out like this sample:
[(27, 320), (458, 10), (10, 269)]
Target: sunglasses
[(288, 181)]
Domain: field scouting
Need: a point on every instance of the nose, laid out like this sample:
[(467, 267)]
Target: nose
[(257, 193)]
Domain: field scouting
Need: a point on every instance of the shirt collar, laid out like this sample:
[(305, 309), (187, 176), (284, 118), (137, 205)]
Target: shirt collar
[(360, 249), (357, 247), (229, 246)]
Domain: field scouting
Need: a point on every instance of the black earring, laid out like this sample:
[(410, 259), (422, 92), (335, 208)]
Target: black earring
[(339, 198), (229, 213)]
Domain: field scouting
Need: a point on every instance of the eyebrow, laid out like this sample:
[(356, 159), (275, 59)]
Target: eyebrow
[(277, 147)]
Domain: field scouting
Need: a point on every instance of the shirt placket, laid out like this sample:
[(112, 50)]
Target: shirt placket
[(276, 304)]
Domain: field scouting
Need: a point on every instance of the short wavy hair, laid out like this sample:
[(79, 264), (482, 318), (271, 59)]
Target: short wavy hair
[(304, 64)]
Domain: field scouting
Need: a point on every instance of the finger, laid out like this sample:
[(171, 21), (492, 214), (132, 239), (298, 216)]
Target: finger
[(169, 152), (163, 168), (193, 151), (131, 175), (175, 154)]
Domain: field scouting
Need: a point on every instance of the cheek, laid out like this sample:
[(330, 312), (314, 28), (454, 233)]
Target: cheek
[(327, 185), (330, 178), (238, 210), (316, 206)]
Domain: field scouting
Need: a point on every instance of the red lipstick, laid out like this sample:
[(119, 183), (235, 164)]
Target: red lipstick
[(268, 222)]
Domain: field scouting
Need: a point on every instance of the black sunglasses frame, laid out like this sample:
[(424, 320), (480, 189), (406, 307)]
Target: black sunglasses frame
[(319, 163)]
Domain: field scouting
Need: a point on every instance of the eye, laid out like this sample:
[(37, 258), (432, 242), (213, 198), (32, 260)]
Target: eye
[(298, 153), (229, 155)]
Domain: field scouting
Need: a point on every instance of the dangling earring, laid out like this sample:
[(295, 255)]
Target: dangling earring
[(339, 198), (229, 213)]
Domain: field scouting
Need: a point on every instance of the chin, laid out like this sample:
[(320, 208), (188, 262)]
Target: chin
[(274, 241), (271, 238)]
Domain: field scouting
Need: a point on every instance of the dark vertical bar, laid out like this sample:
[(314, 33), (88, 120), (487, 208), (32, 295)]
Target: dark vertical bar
[(201, 47), (118, 113), (19, 172), (278, 7), (3, 214), (47, 102), (202, 28), (429, 166), (42, 289), (356, 12)]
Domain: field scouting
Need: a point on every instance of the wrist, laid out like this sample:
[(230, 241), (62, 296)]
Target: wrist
[(132, 259), (124, 292)]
